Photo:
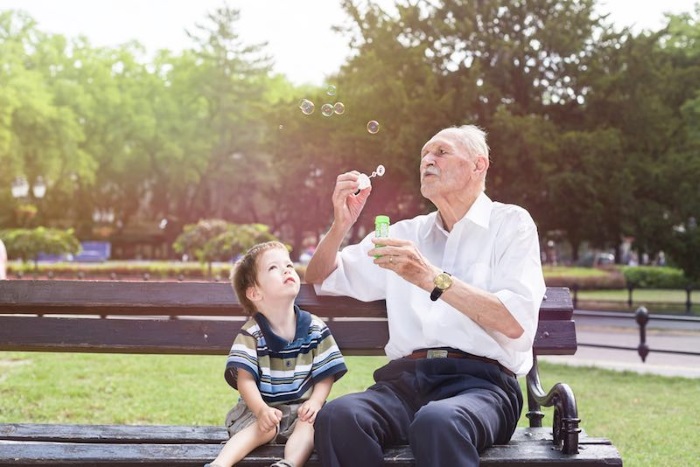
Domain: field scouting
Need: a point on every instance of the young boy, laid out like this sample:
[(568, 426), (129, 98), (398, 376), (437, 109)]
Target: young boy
[(283, 362)]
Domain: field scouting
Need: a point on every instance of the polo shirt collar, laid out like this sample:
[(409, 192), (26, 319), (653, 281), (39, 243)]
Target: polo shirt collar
[(275, 342)]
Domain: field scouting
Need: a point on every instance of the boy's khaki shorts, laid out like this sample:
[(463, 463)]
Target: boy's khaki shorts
[(240, 417)]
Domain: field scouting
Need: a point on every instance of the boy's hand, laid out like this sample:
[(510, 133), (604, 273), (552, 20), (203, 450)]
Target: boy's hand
[(308, 410), (268, 418)]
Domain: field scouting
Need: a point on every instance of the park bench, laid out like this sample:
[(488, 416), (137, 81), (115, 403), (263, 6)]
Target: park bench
[(202, 318)]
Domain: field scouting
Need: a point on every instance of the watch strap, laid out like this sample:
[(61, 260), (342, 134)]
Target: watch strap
[(435, 294)]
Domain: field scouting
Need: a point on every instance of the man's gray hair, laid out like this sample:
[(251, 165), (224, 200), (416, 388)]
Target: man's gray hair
[(474, 139)]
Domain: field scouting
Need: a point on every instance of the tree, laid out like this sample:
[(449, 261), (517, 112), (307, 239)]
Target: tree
[(27, 244), (39, 134), (229, 82), (217, 240), (684, 247)]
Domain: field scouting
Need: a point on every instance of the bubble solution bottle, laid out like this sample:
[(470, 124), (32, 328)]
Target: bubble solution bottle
[(381, 228)]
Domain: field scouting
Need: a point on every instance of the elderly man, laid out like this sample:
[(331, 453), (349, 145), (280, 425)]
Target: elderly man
[(463, 287)]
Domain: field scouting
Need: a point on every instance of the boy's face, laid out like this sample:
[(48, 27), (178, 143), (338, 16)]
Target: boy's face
[(276, 275)]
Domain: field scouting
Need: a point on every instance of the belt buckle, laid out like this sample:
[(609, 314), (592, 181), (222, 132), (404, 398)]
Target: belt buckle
[(436, 353)]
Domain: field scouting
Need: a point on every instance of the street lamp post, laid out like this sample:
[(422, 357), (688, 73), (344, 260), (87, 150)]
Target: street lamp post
[(102, 222), (20, 191), (39, 188), (20, 188)]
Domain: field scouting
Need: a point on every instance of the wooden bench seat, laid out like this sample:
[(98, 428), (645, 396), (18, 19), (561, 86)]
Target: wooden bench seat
[(157, 445), (202, 319)]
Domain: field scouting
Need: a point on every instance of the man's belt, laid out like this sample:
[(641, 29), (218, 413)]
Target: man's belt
[(454, 353)]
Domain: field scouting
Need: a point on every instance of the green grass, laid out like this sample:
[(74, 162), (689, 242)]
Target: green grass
[(573, 272), (638, 296), (659, 301), (652, 420)]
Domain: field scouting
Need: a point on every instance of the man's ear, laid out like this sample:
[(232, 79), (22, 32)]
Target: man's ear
[(253, 293), (481, 164)]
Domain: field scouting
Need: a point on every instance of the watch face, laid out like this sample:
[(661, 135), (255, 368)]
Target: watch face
[(443, 281)]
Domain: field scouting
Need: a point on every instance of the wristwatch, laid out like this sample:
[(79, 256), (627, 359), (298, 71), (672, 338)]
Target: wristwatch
[(442, 281)]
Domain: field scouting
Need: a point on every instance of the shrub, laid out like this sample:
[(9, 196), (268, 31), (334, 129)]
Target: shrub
[(584, 278), (27, 244), (654, 277)]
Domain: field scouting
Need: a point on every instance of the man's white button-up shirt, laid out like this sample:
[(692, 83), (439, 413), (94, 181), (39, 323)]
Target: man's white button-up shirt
[(494, 247)]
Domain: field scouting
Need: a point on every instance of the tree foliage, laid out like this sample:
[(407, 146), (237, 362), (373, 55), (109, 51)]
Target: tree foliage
[(27, 244), (217, 240), (595, 130)]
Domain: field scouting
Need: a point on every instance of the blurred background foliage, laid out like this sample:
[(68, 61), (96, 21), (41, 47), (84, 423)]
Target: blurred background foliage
[(594, 129)]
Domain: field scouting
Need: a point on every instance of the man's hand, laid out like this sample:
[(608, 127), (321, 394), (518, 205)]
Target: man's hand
[(268, 418), (402, 257), (308, 410), (347, 205)]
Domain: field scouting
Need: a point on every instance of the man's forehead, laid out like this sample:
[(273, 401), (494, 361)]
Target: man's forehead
[(446, 136)]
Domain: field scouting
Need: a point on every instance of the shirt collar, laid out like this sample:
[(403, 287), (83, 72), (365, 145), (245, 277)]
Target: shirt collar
[(275, 342), (479, 214)]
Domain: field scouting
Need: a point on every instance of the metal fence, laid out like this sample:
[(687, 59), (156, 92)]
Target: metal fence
[(642, 318), (630, 296)]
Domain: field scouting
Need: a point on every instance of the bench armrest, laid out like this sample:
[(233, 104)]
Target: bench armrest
[(565, 424)]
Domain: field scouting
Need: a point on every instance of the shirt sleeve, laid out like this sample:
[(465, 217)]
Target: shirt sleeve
[(328, 361), (243, 355), (356, 275), (519, 281)]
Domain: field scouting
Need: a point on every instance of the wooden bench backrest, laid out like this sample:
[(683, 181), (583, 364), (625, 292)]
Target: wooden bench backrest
[(198, 318)]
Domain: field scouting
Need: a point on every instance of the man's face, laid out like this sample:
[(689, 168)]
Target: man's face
[(446, 169)]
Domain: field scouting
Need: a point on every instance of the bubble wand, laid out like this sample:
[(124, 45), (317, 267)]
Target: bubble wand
[(364, 179)]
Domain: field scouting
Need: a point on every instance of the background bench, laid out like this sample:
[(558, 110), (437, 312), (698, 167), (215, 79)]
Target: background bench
[(202, 319)]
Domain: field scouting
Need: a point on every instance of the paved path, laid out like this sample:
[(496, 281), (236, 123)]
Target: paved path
[(662, 335)]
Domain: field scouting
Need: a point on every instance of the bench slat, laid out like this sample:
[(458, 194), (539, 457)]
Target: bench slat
[(152, 434), (191, 298), (207, 337), (168, 434), (537, 453)]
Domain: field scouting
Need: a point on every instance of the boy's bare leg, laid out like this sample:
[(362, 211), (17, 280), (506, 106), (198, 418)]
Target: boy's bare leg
[(242, 443), (300, 443)]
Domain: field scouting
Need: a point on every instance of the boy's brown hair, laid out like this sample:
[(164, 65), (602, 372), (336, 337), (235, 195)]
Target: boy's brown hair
[(245, 273)]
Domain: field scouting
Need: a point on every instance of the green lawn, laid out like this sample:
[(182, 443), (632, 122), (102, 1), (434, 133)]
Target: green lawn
[(653, 420), (638, 296), (659, 301)]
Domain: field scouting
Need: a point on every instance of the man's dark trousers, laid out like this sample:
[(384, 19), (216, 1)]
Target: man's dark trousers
[(447, 409)]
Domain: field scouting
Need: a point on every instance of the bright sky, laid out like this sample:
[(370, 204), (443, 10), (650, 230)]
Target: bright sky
[(298, 31)]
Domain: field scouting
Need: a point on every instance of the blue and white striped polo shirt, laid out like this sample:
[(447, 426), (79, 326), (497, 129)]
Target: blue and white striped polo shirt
[(285, 371)]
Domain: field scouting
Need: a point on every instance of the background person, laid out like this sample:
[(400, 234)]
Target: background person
[(3, 261), (463, 287)]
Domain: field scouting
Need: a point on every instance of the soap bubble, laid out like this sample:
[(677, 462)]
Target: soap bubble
[(373, 127), (331, 90), (327, 110), (339, 108), (307, 107)]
